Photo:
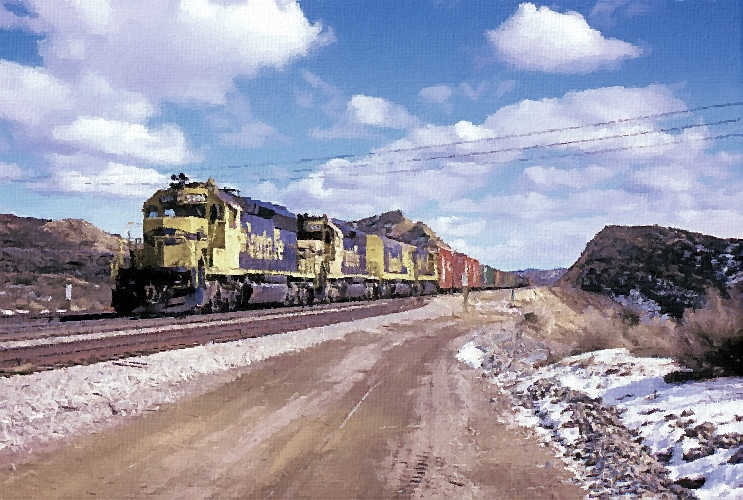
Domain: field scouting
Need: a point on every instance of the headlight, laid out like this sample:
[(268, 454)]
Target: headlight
[(195, 198)]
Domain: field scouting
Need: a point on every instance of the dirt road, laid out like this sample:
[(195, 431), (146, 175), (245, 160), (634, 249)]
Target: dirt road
[(391, 414)]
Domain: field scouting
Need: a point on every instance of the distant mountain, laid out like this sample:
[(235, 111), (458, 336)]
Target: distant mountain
[(543, 277), (664, 269), (396, 226), (39, 257)]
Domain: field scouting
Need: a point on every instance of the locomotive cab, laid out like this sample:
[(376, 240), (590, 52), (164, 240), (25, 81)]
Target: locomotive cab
[(190, 226), (320, 246)]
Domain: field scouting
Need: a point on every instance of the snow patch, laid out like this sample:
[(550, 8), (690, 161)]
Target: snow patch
[(471, 355)]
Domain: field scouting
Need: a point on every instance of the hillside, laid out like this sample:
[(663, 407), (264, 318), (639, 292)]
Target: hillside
[(396, 226), (38, 257), (543, 277), (664, 270)]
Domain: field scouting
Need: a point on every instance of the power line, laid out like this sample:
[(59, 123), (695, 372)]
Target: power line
[(566, 155), (497, 138), (454, 156), (491, 152), (470, 154)]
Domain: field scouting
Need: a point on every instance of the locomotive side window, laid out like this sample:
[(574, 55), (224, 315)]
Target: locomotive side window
[(152, 211), (168, 212)]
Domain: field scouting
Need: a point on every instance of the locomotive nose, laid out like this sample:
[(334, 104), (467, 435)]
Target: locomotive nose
[(173, 242)]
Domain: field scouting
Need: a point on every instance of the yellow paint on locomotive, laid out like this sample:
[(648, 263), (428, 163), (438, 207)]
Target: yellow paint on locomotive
[(425, 266), (352, 258), (192, 227), (375, 258), (316, 257)]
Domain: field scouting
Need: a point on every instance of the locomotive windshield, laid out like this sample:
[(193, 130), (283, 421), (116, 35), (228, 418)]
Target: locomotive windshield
[(184, 211)]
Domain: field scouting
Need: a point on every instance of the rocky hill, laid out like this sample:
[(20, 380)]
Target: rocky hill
[(658, 269), (39, 257), (396, 226), (543, 277)]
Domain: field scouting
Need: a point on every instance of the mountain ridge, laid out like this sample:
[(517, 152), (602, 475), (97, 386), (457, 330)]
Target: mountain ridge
[(395, 225)]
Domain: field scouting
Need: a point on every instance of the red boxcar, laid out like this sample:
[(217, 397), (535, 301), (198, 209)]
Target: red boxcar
[(458, 269), (473, 276), (445, 269)]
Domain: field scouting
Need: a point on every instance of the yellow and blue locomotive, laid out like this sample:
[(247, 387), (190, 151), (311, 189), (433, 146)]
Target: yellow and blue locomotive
[(207, 249)]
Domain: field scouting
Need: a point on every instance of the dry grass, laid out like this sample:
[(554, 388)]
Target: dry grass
[(707, 340), (710, 340), (588, 322), (47, 292)]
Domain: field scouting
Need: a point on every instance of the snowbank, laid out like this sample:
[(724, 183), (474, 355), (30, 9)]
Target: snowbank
[(613, 418)]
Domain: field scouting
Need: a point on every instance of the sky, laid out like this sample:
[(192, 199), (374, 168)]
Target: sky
[(515, 130)]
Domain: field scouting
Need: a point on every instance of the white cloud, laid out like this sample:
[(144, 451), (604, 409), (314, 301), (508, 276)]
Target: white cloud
[(606, 11), (437, 94), (474, 93), (250, 135), (164, 145), (114, 179), (540, 39), (714, 222), (528, 205), (578, 178), (379, 112), (9, 172), (362, 116), (82, 173), (451, 227), (665, 178), (108, 67), (505, 87), (594, 119), (31, 95), (201, 46), (96, 96)]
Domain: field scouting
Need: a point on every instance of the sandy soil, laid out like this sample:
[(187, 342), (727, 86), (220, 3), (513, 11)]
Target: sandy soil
[(390, 414)]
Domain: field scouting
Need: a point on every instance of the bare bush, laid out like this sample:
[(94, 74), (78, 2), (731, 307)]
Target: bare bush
[(707, 340), (589, 322), (710, 339)]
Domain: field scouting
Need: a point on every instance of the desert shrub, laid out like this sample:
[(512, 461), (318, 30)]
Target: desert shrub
[(24, 279), (630, 317), (591, 322), (710, 339)]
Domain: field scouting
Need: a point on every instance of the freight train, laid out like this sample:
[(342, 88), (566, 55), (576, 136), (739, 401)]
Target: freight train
[(208, 249)]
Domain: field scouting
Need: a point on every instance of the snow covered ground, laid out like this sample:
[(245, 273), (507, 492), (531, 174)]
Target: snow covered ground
[(614, 419), (39, 409)]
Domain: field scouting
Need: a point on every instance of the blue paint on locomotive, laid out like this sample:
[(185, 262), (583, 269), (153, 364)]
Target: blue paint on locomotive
[(354, 245), (271, 237)]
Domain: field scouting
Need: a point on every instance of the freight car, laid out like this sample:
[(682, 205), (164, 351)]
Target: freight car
[(209, 249), (491, 278), (457, 270)]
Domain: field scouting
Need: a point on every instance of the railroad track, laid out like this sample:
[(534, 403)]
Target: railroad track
[(29, 351)]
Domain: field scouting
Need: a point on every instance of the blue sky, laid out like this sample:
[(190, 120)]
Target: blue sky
[(516, 130)]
